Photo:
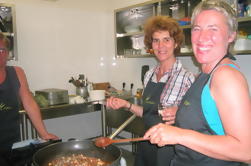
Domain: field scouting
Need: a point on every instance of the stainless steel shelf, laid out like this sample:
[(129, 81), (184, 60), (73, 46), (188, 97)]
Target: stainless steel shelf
[(151, 55), (235, 52), (123, 40), (242, 52), (244, 19), (118, 35), (137, 56), (137, 5), (65, 110), (186, 27)]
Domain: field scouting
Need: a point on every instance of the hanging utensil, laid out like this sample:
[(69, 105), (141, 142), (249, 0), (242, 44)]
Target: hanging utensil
[(144, 69), (123, 86)]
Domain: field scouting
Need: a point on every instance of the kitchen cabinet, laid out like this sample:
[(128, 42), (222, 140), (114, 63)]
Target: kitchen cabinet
[(129, 22), (8, 27), (243, 26)]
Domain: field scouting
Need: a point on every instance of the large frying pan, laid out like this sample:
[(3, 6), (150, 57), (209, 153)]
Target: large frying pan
[(86, 147)]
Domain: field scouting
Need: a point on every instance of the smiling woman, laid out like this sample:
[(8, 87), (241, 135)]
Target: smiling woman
[(165, 83), (219, 132), (208, 33)]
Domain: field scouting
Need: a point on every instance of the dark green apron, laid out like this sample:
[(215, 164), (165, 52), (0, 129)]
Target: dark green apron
[(149, 154), (190, 116)]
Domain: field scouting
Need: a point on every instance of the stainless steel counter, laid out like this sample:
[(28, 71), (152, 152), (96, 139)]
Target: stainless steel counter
[(110, 118), (28, 131), (65, 110)]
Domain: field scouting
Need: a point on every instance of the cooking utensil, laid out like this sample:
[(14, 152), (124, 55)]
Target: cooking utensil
[(82, 91), (131, 87), (121, 127), (86, 147), (144, 69), (105, 141), (123, 86), (81, 76)]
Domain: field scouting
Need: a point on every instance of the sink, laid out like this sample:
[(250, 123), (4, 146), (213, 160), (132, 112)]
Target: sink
[(114, 118)]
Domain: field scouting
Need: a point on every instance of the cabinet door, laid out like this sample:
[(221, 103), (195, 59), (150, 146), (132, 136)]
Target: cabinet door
[(181, 10), (243, 42), (129, 22), (8, 27)]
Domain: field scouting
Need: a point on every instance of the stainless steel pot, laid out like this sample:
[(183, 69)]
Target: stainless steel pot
[(86, 147), (82, 91)]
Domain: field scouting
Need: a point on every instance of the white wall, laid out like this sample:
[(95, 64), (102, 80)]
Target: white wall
[(63, 38), (57, 40), (60, 39)]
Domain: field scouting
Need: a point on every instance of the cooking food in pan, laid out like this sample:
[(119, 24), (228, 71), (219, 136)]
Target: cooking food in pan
[(65, 150), (78, 160)]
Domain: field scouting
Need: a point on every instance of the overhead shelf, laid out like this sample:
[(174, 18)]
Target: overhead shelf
[(129, 23)]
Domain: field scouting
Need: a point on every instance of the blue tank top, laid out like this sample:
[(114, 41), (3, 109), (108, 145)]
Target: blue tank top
[(210, 109)]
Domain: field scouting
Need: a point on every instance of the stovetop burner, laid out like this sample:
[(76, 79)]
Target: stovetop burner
[(23, 151)]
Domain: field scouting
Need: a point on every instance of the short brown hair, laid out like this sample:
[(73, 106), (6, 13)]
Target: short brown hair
[(163, 23), (5, 40)]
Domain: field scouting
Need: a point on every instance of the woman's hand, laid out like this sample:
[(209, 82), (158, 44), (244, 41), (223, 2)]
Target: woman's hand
[(49, 136), (168, 114), (117, 103), (163, 134)]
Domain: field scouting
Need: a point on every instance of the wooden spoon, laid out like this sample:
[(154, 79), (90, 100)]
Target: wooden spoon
[(105, 141)]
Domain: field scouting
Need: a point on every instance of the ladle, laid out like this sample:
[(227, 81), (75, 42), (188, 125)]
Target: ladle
[(105, 141)]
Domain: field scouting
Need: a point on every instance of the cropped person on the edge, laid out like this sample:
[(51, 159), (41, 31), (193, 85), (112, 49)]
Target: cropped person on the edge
[(14, 90)]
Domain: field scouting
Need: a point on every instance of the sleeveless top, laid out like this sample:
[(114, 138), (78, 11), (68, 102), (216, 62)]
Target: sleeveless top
[(191, 106), (9, 107), (210, 110)]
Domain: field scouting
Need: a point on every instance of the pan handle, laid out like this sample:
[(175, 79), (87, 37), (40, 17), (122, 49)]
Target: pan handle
[(121, 127)]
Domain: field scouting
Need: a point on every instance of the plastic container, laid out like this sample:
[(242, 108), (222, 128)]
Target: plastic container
[(97, 95), (242, 44)]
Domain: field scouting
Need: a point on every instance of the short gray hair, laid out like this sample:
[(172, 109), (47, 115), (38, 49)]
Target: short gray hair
[(220, 6)]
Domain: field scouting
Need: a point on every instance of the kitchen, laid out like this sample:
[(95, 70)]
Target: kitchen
[(61, 38)]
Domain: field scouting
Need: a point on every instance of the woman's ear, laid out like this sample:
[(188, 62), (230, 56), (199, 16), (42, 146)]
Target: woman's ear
[(232, 37)]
